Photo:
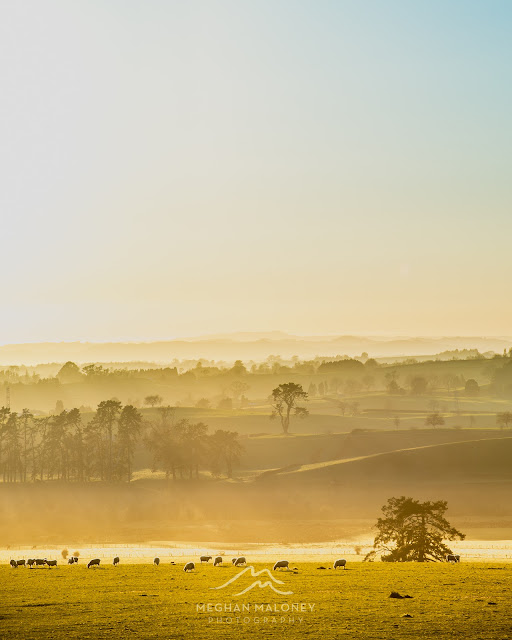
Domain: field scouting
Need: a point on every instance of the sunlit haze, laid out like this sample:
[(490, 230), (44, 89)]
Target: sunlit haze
[(182, 168)]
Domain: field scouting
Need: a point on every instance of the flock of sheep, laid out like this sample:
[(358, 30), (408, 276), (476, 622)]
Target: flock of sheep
[(341, 563), (189, 566), (33, 562)]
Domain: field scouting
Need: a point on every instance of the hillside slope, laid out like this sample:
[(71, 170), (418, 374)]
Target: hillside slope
[(474, 461)]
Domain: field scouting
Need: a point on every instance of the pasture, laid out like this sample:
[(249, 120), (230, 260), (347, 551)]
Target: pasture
[(467, 600)]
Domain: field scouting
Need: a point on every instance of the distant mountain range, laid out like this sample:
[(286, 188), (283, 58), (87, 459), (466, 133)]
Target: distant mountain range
[(244, 346)]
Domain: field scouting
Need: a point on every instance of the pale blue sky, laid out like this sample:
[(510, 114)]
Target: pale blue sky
[(176, 168)]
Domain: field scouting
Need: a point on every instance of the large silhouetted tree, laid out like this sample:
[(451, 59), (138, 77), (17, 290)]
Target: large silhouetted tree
[(285, 398), (413, 531)]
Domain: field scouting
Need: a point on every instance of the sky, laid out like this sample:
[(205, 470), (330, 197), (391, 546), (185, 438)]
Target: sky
[(171, 169)]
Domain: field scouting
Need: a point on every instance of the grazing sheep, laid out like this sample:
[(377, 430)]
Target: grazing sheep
[(116, 561), (156, 561), (71, 561), (31, 562), (205, 559), (40, 562), (340, 563), (240, 561), (281, 564), (451, 557), (51, 563), (190, 566), (20, 563), (92, 563), (217, 561), (13, 564)]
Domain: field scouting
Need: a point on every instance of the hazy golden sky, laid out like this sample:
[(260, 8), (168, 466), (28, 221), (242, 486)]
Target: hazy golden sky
[(180, 168)]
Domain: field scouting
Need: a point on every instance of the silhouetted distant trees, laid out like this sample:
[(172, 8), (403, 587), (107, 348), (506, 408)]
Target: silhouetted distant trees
[(418, 386), (180, 448), (62, 447), (434, 420), (153, 400), (504, 419), (347, 366)]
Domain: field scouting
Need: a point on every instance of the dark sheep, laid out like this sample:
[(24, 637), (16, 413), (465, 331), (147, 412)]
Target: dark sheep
[(40, 562), (217, 561), (190, 566), (205, 559), (116, 561), (92, 563), (51, 563), (31, 562), (451, 557), (71, 561), (240, 561), (281, 564), (340, 563), (75, 558), (13, 564), (20, 563), (156, 561)]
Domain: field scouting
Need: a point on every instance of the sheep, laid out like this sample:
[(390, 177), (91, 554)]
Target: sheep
[(71, 561), (13, 564), (156, 562), (190, 566), (75, 558), (281, 564), (116, 561), (217, 561), (340, 563), (240, 561), (451, 557), (92, 563), (20, 563), (31, 562), (51, 563), (233, 560), (205, 559), (40, 562)]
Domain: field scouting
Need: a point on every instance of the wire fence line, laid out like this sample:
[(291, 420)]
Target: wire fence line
[(136, 552)]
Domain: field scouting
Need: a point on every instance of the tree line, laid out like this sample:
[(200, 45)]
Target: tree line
[(65, 447)]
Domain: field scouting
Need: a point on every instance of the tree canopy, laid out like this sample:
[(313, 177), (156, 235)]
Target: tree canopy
[(285, 398), (413, 531)]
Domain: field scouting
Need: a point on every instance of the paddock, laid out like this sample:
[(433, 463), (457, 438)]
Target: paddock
[(136, 600)]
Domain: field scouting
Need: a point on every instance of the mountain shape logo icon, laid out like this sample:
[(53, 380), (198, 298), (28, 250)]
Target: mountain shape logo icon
[(256, 583)]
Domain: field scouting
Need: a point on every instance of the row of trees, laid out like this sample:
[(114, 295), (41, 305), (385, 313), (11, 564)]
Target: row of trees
[(64, 447)]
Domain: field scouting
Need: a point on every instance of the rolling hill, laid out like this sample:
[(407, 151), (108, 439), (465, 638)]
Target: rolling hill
[(474, 461)]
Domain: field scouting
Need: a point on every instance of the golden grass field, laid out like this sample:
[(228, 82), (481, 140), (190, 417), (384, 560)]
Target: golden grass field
[(144, 601)]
